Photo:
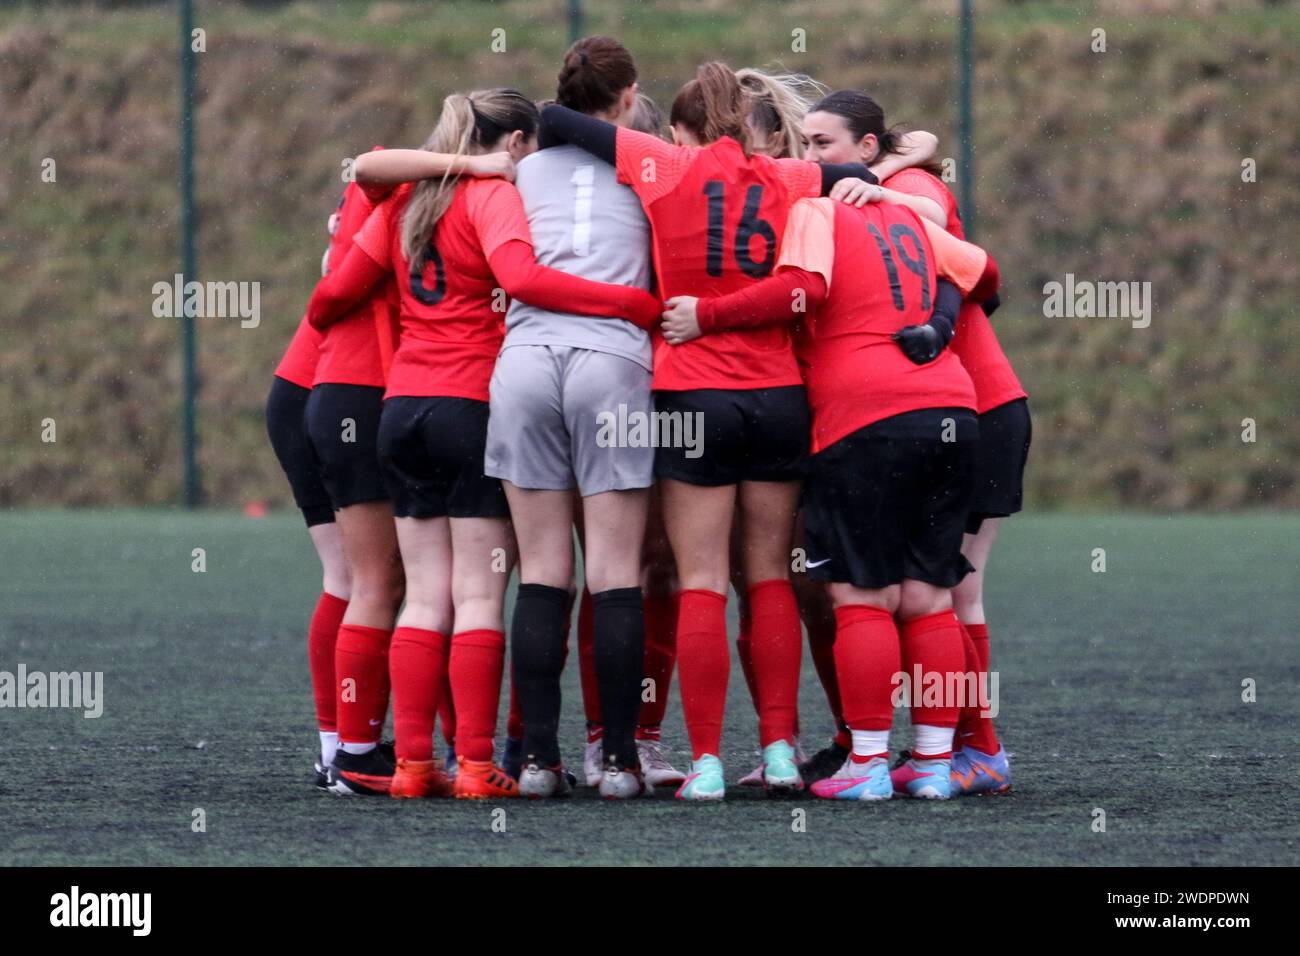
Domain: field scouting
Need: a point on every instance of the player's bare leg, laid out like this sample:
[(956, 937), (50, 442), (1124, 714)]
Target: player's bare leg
[(322, 637), (698, 520), (483, 556), (361, 653), (418, 655), (613, 531), (767, 513), (543, 520)]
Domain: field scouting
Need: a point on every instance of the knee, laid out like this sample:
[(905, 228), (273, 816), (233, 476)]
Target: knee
[(765, 560), (551, 567), (968, 603), (383, 589), (609, 578), (765, 570), (395, 585), (549, 575), (432, 615), (888, 598), (476, 606), (611, 564), (918, 599), (704, 579), (339, 585)]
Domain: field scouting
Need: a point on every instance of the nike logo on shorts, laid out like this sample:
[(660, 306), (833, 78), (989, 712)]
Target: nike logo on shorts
[(817, 564)]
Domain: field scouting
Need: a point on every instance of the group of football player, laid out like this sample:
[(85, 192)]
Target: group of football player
[(748, 348)]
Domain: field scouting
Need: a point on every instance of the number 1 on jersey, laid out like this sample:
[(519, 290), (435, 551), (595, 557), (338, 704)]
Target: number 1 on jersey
[(584, 177)]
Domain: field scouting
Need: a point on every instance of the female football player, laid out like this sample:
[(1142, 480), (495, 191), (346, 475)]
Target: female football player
[(285, 406), (342, 420), (458, 246), (776, 106), (561, 388), (848, 125)]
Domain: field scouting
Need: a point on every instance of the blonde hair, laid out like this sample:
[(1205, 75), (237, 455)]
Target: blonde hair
[(469, 123), (777, 104)]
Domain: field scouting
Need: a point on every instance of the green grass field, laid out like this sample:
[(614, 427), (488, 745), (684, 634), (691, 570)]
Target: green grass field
[(1120, 691)]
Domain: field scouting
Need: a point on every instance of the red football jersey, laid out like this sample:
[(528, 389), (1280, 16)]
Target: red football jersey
[(717, 218), (975, 342), (349, 349), (452, 310), (880, 269)]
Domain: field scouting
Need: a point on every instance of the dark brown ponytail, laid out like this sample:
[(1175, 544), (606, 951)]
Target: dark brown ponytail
[(863, 115), (596, 71)]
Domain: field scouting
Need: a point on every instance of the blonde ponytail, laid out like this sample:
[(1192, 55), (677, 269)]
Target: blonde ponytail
[(469, 123), (431, 197), (776, 103)]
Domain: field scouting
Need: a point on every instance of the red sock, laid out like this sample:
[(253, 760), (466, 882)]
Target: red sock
[(417, 665), (703, 665), (361, 671), (447, 711), (776, 650), (821, 643), (867, 657), (973, 728), (477, 660), (933, 644), (660, 657), (587, 658), (322, 634)]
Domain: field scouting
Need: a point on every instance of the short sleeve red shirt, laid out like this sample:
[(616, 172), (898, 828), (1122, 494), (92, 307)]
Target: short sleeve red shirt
[(717, 217), (452, 309), (975, 342), (856, 374)]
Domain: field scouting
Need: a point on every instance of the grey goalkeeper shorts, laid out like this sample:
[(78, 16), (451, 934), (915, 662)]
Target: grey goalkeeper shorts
[(564, 416)]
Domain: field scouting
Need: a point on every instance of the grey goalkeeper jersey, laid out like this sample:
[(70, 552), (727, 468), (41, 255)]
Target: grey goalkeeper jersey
[(584, 222)]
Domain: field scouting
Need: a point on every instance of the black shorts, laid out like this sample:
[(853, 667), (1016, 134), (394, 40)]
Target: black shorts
[(732, 435), (1000, 459), (287, 428), (343, 424), (889, 501), (431, 452)]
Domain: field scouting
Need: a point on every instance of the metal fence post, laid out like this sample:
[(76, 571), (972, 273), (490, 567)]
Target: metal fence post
[(966, 129), (189, 377)]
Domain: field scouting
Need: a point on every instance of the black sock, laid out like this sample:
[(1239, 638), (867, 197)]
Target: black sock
[(537, 643), (620, 666)]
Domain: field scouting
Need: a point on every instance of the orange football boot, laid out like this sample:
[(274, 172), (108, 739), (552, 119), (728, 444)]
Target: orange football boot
[(419, 778), (482, 780)]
